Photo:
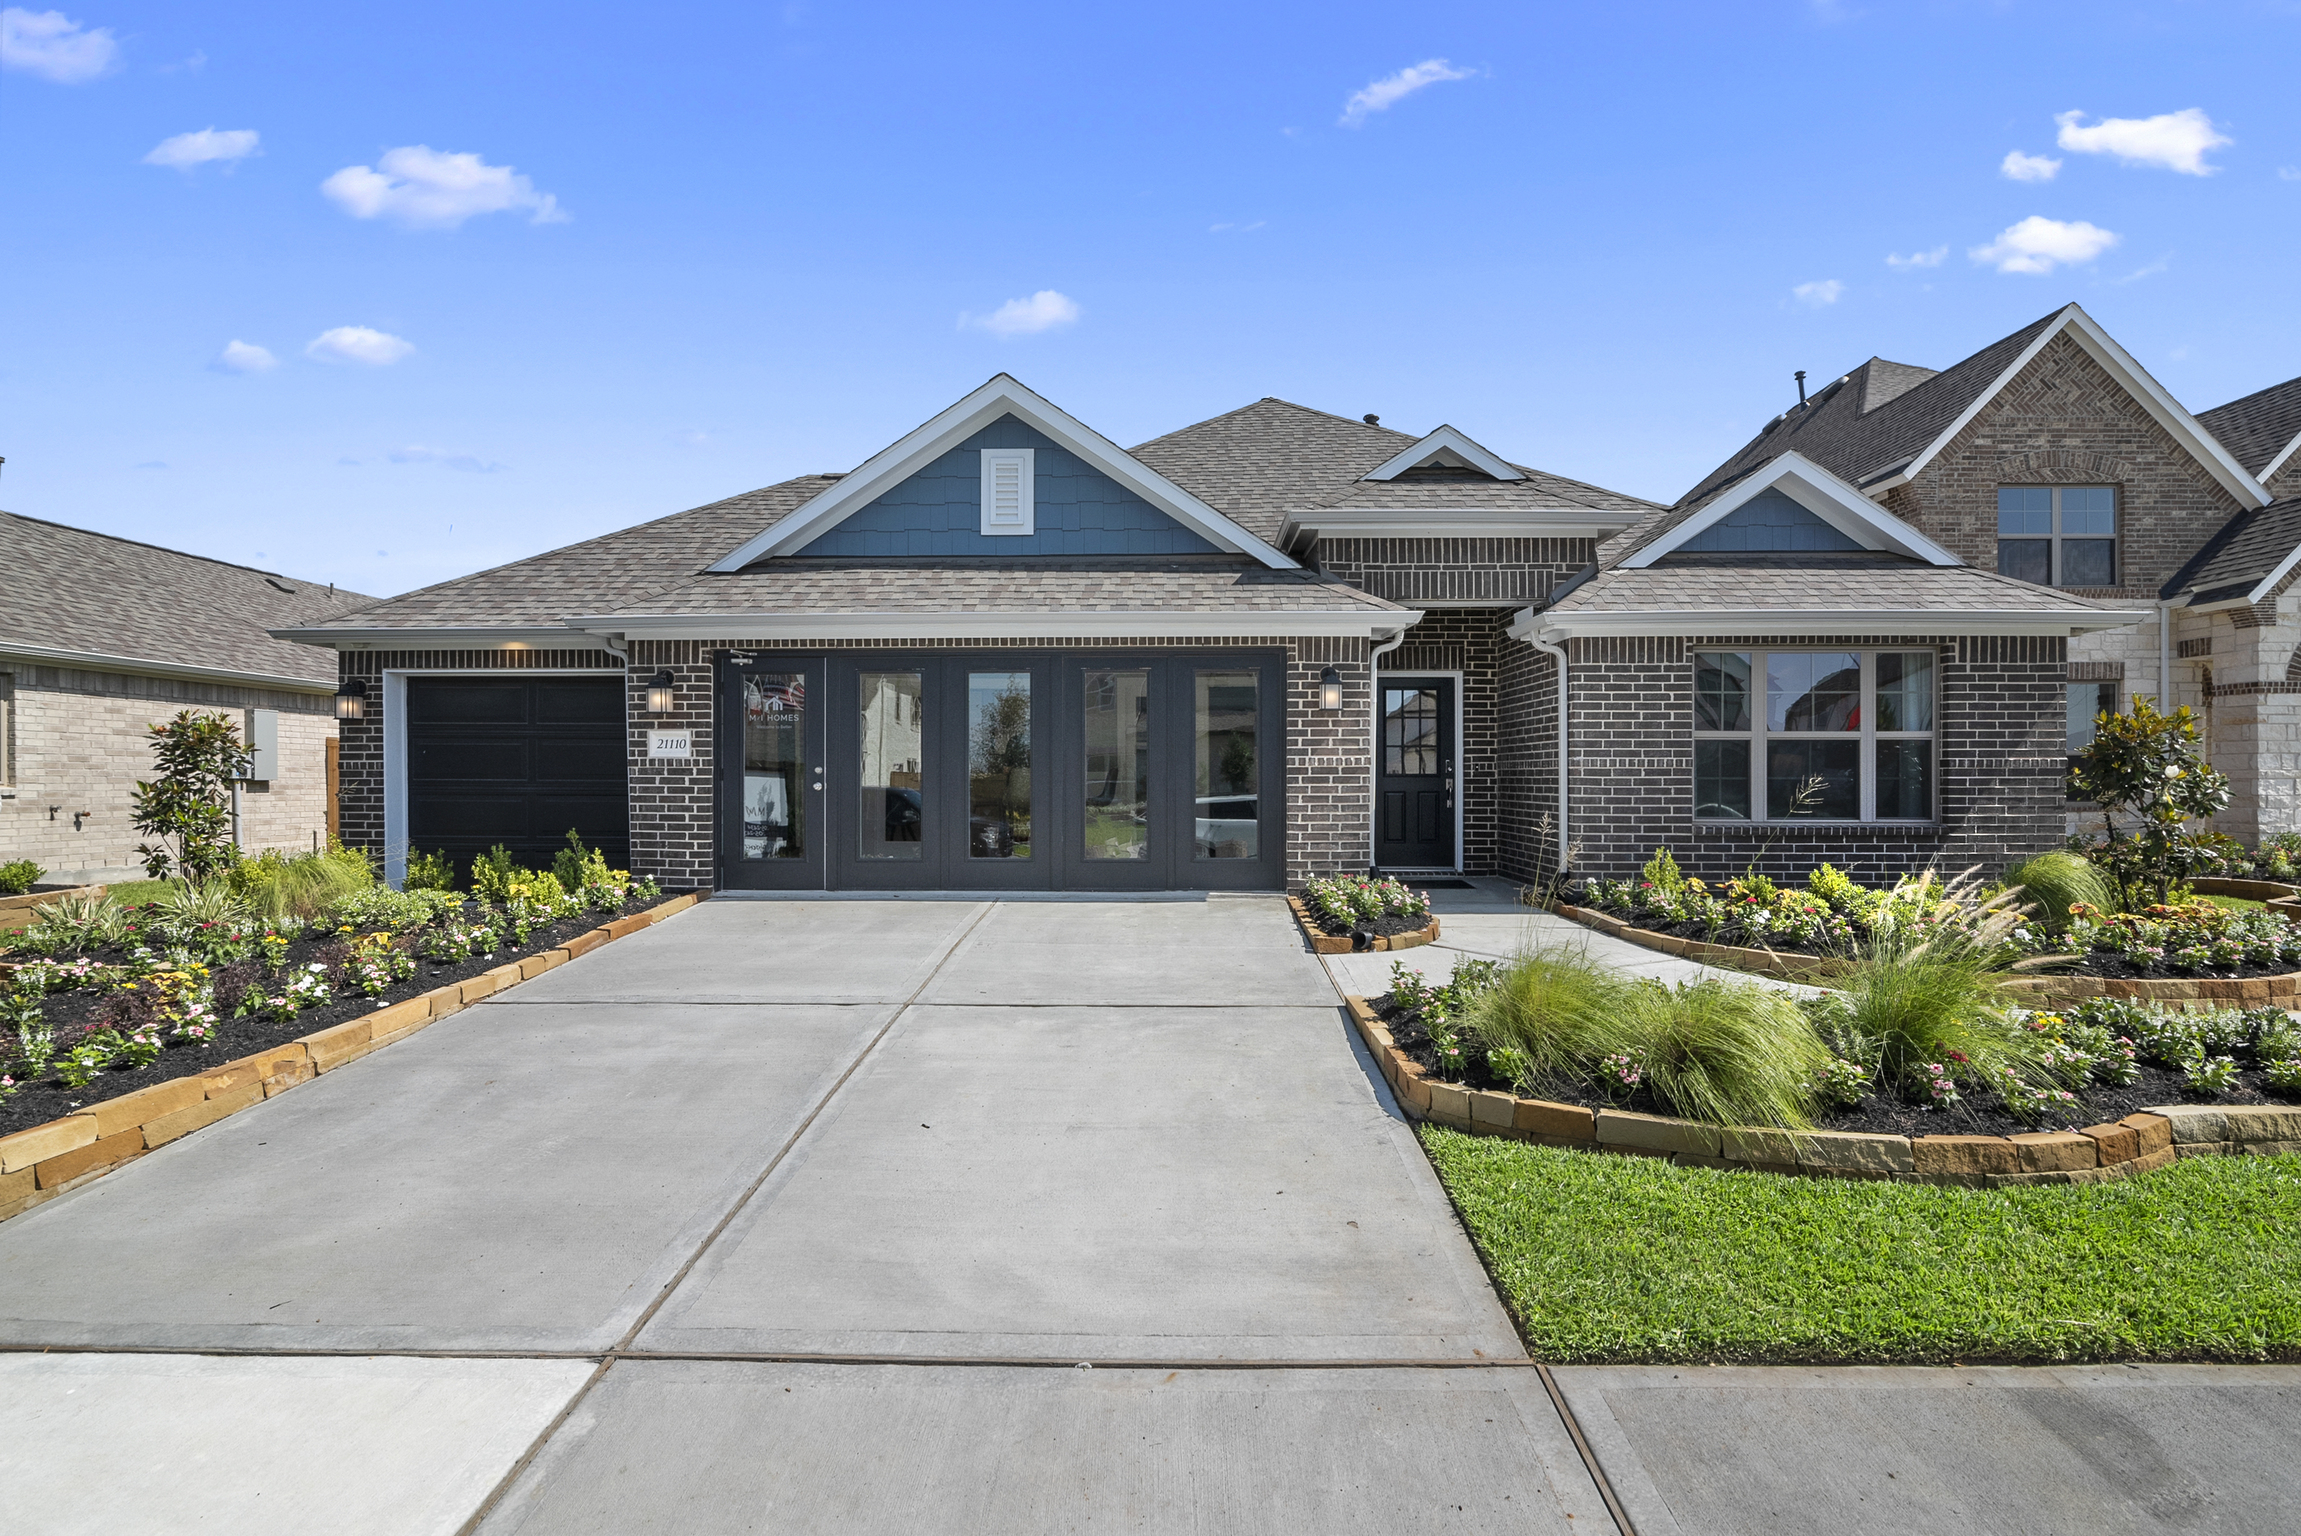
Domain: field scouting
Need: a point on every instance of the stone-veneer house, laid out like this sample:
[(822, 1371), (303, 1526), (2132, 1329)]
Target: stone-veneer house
[(1004, 653), (102, 637)]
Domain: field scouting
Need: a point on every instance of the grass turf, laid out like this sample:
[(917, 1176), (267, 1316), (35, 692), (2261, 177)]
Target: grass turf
[(1624, 1259)]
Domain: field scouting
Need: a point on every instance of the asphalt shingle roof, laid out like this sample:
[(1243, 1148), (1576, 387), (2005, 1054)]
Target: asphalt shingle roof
[(71, 589), (1808, 581), (2257, 428), (2242, 551)]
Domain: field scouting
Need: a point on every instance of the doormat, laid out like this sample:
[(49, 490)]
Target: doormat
[(1441, 885)]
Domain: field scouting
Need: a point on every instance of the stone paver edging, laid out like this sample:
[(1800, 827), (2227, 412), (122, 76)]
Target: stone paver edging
[(1817, 970), (1324, 943), (2145, 1140), (44, 1161)]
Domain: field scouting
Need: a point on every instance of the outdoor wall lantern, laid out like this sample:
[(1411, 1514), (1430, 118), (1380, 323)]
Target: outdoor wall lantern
[(352, 699), (1330, 689), (661, 694)]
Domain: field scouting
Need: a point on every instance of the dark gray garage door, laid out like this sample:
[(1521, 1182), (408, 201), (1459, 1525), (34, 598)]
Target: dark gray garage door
[(517, 761)]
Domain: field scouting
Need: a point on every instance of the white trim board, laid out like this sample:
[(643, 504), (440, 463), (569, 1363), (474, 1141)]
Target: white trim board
[(2269, 470), (1003, 395), (1454, 523), (2170, 414), (1007, 623), (1446, 445), (1553, 626), (395, 833), (1834, 501), (445, 638)]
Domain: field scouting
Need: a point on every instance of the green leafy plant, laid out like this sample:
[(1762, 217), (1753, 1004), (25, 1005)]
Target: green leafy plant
[(77, 923), (576, 866), (1662, 871), (379, 906), (1353, 899), (493, 872), (185, 808), (1834, 888), (18, 876), (304, 885), (2207, 1076), (89, 1057), (1509, 1065), (2052, 883), (1842, 1084), (428, 872), (2147, 770), (2284, 1075)]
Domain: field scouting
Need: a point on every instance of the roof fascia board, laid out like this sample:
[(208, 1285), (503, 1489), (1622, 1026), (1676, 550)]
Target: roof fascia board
[(1002, 395), (1815, 621), (444, 638), (139, 666), (976, 623), (1445, 437), (1829, 498), (2169, 413), (2268, 583), (1411, 523), (2269, 470)]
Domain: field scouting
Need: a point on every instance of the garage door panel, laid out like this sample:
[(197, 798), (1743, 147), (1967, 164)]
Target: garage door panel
[(516, 761), (445, 699), (464, 760), (573, 701), (488, 817), (595, 761)]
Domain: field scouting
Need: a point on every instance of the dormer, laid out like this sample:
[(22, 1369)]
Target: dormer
[(1446, 454)]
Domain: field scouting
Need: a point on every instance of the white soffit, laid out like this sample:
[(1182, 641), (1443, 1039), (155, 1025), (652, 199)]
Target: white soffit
[(1829, 498), (1814, 621), (1006, 623), (1447, 445), (1002, 396), (2169, 413)]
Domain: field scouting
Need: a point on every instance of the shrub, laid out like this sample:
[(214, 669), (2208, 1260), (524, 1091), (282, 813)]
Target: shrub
[(2148, 769), (1730, 1053), (185, 909), (77, 923), (199, 756), (1835, 889), (429, 872), (493, 872), (576, 866), (379, 906), (1842, 1084), (18, 876), (1558, 1008), (1661, 871), (2284, 1075), (2054, 882), (304, 885)]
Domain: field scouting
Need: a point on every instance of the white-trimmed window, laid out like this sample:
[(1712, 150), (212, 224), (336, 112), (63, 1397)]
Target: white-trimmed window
[(1007, 490), (1821, 735), (2058, 535)]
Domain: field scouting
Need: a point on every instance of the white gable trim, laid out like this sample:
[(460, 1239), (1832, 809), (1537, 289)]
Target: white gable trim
[(2269, 470), (1002, 396), (1817, 490), (1446, 440), (2103, 349)]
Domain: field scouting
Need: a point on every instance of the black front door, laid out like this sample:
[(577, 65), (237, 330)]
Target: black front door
[(771, 813), (1414, 774)]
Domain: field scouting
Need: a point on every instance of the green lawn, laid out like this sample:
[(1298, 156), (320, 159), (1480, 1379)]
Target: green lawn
[(2235, 903), (1631, 1259), (130, 891)]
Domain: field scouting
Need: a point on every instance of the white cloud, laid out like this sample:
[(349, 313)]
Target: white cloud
[(186, 150), (1042, 311), (1820, 294), (1381, 95), (1235, 229), (467, 463), (2017, 166), (2175, 140), (55, 47), (2289, 173), (422, 187), (2040, 244), (1932, 258), (246, 357), (358, 344)]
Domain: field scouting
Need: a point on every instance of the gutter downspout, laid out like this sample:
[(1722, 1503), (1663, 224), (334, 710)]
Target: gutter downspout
[(2164, 655), (1558, 652), (1374, 728)]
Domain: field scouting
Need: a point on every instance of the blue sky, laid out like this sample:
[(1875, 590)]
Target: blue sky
[(527, 274)]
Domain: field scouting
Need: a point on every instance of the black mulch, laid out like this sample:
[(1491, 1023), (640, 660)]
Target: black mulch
[(1878, 1113), (72, 1013), (1374, 927)]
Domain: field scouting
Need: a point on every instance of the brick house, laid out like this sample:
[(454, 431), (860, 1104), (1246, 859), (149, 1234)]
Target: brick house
[(101, 637), (1004, 653)]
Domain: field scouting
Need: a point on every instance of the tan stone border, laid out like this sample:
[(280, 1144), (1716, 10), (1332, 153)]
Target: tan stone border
[(2142, 1141), (1324, 943), (1817, 970), (38, 1164)]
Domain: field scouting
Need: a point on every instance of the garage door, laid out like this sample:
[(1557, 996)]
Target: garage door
[(517, 761)]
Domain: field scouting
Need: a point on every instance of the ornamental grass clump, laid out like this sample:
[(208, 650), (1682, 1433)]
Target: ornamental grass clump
[(1558, 1009), (303, 885), (1727, 1052), (1922, 1008), (2054, 884)]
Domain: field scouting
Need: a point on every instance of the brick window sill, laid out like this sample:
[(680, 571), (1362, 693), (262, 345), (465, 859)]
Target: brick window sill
[(1800, 830)]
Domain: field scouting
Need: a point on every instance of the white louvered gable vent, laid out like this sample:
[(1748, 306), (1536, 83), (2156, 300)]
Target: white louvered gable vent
[(1007, 490)]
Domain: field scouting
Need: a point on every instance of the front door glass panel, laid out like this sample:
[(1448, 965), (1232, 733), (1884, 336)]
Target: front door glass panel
[(774, 750), (998, 765), (1409, 731), (1226, 766), (890, 819), (1116, 727)]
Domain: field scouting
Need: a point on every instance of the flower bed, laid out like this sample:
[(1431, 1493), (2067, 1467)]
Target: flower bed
[(144, 997), (1341, 913), (1825, 917), (2182, 939)]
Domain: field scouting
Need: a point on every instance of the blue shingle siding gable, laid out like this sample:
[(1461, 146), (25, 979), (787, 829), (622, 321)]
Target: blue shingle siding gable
[(1769, 520), (938, 511)]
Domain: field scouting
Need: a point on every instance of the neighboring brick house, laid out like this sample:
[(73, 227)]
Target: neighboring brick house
[(1004, 653), (102, 637)]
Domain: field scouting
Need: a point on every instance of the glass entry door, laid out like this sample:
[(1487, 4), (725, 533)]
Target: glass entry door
[(771, 810)]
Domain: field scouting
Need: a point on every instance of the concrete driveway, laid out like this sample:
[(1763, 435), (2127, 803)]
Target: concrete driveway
[(940, 1216)]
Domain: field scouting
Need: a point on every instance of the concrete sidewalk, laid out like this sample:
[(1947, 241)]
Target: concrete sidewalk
[(950, 1216)]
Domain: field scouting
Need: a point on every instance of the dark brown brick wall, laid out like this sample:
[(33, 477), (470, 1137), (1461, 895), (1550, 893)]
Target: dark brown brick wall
[(2065, 421), (1329, 762), (1999, 746), (1469, 641), (1428, 572)]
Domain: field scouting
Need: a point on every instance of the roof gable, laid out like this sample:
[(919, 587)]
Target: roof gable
[(1002, 396), (1445, 448), (937, 510), (1823, 496), (1771, 522), (2262, 431)]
